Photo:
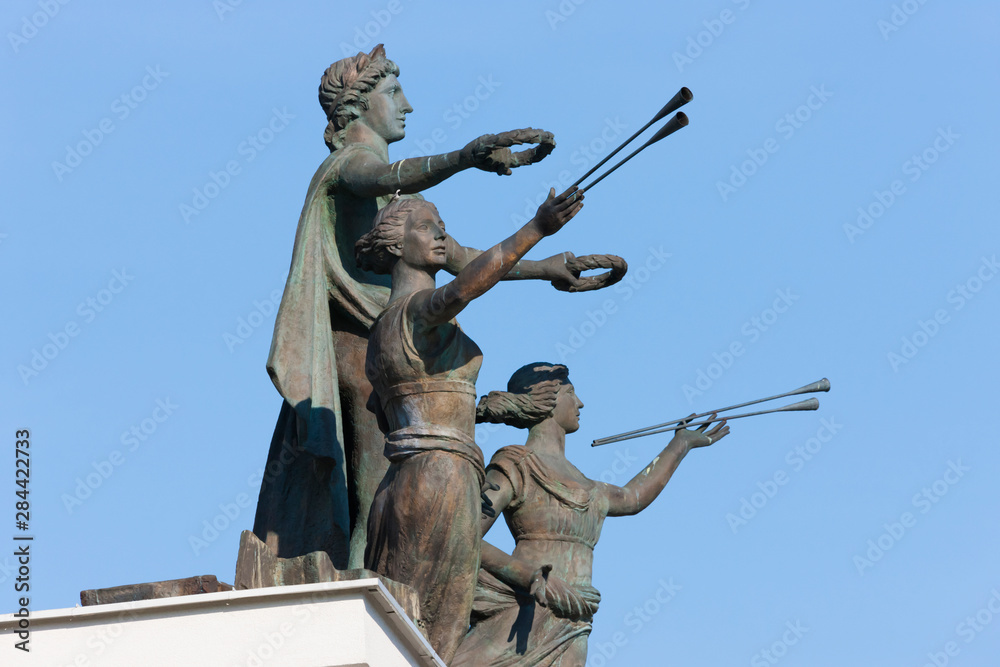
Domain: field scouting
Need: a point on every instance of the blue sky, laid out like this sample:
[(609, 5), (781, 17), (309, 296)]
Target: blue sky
[(830, 211)]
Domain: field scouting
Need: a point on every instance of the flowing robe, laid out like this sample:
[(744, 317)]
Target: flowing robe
[(325, 459), (424, 528), (554, 521)]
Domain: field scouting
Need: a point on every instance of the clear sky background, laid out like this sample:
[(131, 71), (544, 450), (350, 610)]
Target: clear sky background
[(840, 167)]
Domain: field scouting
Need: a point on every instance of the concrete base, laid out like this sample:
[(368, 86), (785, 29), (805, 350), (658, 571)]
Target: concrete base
[(343, 623), (259, 567)]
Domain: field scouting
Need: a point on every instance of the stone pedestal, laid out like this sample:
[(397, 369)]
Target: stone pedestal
[(341, 623), (258, 567)]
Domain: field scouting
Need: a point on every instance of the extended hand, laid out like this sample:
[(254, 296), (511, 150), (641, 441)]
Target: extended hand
[(479, 153), (701, 437), (492, 152), (555, 269), (556, 211)]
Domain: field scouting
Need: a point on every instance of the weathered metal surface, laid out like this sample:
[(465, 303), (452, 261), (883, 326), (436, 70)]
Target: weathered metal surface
[(170, 588), (536, 606), (258, 567), (325, 460), (424, 528)]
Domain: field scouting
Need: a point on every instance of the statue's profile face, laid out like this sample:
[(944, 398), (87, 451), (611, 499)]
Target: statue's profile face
[(424, 239), (567, 410), (387, 109)]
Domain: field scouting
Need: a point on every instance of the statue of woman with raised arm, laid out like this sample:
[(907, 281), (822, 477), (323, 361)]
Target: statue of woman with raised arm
[(325, 459), (424, 527), (536, 607)]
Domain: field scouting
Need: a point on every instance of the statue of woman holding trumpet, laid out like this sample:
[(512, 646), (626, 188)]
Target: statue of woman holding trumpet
[(536, 607), (424, 526)]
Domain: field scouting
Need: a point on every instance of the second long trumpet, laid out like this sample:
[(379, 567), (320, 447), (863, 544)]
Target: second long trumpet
[(687, 422)]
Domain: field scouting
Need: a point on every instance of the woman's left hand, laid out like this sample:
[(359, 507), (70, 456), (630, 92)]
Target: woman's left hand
[(555, 269), (701, 437), (487, 504), (557, 210)]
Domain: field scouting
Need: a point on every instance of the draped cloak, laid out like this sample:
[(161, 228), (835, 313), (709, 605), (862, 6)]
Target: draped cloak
[(303, 502)]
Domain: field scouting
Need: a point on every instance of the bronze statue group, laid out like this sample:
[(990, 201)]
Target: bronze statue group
[(374, 459)]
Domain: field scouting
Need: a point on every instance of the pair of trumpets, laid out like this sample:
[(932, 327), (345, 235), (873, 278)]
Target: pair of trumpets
[(680, 120), (683, 96), (689, 422)]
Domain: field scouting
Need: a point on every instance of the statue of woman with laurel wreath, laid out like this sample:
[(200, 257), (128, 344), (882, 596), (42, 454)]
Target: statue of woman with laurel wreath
[(536, 607), (325, 459)]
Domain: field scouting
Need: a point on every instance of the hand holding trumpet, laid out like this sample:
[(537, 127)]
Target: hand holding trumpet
[(682, 424), (688, 439)]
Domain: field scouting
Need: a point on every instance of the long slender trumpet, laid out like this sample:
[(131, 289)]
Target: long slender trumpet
[(808, 404), (818, 386), (682, 97), (677, 122)]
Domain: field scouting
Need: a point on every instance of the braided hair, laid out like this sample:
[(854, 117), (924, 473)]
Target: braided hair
[(344, 88), (530, 397)]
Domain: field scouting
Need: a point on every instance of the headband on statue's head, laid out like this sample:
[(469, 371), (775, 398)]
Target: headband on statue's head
[(366, 63), (343, 87)]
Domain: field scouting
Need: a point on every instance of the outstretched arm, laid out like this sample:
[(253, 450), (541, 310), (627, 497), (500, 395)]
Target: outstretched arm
[(647, 485), (486, 270), (367, 176), (551, 268)]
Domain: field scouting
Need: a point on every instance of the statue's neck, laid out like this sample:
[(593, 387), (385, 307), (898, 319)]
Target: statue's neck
[(359, 133), (547, 437), (408, 279)]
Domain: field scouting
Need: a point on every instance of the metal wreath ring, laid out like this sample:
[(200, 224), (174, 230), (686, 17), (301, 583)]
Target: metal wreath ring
[(513, 159), (616, 265)]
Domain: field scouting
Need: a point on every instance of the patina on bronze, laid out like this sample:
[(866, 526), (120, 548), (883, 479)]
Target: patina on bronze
[(424, 526), (325, 459), (616, 271), (154, 590), (535, 608)]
